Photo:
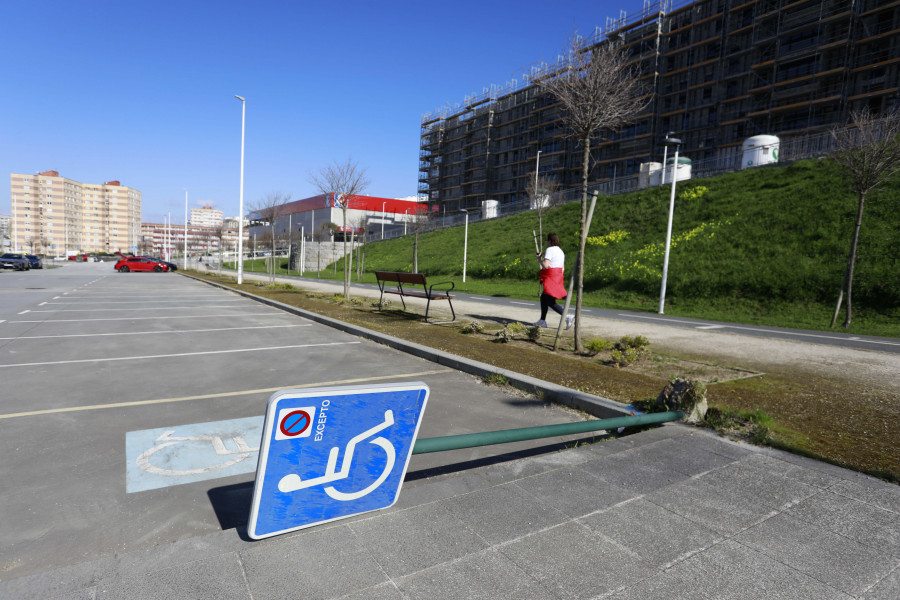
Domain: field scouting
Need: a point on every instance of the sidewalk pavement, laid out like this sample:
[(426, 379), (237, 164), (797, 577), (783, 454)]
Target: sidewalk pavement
[(671, 513)]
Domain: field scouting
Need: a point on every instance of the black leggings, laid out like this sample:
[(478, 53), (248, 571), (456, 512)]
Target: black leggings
[(548, 301)]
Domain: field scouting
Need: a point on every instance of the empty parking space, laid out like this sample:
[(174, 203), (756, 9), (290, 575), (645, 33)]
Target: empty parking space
[(96, 365)]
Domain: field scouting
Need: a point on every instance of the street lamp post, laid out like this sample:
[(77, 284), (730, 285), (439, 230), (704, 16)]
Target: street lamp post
[(662, 290), (465, 243), (185, 228), (537, 169), (240, 277), (405, 219), (382, 220)]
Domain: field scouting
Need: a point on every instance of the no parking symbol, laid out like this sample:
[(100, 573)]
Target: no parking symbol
[(295, 422)]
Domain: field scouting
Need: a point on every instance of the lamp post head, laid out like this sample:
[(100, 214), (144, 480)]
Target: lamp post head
[(241, 98), (670, 141)]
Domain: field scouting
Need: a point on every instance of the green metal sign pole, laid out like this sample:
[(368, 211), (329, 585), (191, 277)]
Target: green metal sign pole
[(488, 438)]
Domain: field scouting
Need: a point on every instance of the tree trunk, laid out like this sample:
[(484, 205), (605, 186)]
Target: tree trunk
[(852, 263), (346, 256), (579, 264)]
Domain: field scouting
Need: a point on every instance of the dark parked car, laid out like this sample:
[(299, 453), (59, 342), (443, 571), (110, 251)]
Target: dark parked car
[(35, 261), (140, 263), (172, 266), (14, 260)]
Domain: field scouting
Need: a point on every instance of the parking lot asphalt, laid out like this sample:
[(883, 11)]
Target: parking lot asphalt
[(89, 355), (96, 366)]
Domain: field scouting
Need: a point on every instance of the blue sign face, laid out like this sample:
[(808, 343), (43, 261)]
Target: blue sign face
[(330, 453)]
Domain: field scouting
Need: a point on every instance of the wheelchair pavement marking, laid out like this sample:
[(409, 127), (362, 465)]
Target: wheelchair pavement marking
[(149, 356), (166, 456), (50, 411), (44, 337)]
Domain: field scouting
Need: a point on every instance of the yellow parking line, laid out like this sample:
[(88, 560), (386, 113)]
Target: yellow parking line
[(51, 411)]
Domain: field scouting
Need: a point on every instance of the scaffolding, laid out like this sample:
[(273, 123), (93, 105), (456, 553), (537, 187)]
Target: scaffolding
[(719, 71)]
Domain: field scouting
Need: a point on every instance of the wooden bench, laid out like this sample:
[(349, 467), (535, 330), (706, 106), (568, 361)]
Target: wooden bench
[(428, 292)]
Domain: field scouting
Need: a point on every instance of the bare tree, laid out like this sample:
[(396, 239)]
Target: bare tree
[(343, 181), (543, 192), (219, 232), (869, 152), (599, 93), (268, 209)]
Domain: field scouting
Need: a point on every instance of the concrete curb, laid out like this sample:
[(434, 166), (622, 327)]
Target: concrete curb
[(598, 406)]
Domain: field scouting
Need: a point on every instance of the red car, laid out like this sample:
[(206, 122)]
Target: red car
[(140, 263)]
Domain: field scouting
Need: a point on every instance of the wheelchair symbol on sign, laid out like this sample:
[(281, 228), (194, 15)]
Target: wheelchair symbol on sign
[(241, 452), (292, 483)]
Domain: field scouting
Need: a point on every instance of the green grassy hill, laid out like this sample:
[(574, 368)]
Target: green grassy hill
[(766, 245)]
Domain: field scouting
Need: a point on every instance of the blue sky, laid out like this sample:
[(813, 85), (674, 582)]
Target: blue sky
[(144, 92)]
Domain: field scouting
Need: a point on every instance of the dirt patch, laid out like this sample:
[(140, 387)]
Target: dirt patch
[(819, 407)]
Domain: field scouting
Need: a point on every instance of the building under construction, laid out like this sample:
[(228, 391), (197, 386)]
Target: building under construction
[(719, 71)]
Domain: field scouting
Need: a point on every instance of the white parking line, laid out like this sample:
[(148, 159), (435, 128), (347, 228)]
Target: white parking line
[(204, 307), (523, 303), (148, 318), (24, 311), (45, 337), (479, 298), (92, 301), (263, 391), (149, 356)]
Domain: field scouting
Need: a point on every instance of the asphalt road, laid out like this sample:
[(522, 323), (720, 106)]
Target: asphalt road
[(98, 368)]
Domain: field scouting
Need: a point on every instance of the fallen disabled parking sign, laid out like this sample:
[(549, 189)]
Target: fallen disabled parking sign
[(330, 453)]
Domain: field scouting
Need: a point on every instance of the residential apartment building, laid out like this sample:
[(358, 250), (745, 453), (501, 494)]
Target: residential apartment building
[(160, 239), (206, 217), (715, 72), (55, 215)]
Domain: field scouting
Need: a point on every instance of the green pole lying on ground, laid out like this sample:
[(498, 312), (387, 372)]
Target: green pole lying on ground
[(488, 438)]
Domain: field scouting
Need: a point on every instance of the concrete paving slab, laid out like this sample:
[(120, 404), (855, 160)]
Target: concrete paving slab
[(574, 563), (680, 456), (821, 554), (503, 513), (662, 586), (627, 470), (487, 575), (209, 578), (731, 571), (794, 472), (769, 489), (869, 525), (408, 541), (385, 591), (574, 491), (724, 511), (886, 589), (871, 491), (319, 563), (658, 536)]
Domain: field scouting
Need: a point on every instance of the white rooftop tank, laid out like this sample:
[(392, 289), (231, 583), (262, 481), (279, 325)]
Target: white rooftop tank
[(682, 172), (760, 150), (649, 175)]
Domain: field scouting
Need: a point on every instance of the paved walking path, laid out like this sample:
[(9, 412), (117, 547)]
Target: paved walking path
[(671, 513)]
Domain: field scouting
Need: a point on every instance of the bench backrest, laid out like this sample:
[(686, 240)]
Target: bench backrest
[(397, 277)]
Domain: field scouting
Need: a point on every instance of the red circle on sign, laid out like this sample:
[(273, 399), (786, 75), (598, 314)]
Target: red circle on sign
[(291, 430)]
